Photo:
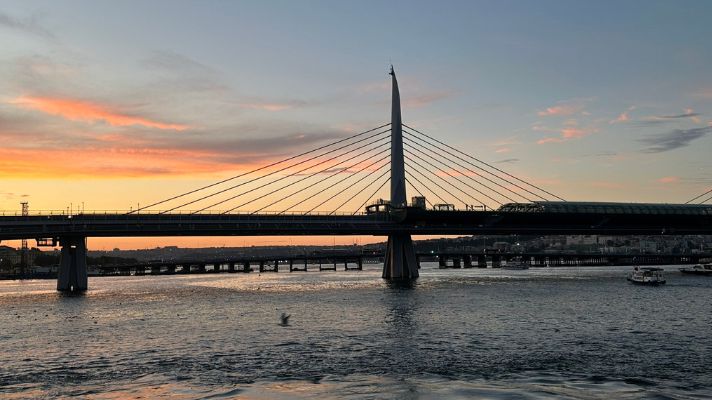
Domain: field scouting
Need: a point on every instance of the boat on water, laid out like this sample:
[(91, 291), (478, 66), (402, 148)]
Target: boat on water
[(515, 265), (699, 269), (647, 276)]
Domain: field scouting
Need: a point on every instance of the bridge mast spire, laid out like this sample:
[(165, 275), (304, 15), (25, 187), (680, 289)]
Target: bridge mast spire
[(398, 197), (400, 262)]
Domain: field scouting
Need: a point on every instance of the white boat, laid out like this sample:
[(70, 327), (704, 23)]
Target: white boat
[(699, 269), (647, 276)]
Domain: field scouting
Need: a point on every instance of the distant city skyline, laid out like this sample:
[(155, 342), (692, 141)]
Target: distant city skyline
[(116, 104)]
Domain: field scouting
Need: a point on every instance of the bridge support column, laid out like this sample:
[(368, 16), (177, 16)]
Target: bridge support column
[(496, 262), (72, 275), (442, 262), (400, 262)]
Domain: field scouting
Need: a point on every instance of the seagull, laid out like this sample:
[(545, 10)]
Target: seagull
[(284, 319)]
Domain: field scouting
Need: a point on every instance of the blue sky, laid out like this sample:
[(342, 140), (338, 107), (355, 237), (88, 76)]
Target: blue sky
[(592, 100)]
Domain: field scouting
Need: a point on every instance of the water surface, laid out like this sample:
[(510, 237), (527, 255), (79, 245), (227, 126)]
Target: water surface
[(540, 333)]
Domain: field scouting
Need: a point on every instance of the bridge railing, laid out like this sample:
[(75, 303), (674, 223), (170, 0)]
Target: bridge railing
[(127, 214)]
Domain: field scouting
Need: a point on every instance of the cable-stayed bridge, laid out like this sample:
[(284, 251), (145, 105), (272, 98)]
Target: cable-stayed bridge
[(339, 189)]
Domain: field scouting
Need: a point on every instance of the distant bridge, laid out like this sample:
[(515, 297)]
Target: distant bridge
[(355, 260)]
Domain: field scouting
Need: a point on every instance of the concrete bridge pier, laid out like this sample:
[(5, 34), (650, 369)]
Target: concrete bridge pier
[(442, 262), (400, 262), (481, 262), (72, 275), (496, 261)]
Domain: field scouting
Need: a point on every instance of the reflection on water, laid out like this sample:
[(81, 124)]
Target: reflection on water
[(539, 333)]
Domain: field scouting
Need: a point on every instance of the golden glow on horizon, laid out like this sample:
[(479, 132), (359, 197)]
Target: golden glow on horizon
[(107, 244), (112, 162)]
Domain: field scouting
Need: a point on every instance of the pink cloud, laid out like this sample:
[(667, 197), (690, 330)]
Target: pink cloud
[(568, 133), (566, 108), (267, 106), (669, 179), (623, 117), (503, 150), (549, 140), (561, 110)]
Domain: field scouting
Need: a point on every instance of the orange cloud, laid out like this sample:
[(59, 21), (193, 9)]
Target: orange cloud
[(571, 133), (669, 179), (77, 110), (110, 163)]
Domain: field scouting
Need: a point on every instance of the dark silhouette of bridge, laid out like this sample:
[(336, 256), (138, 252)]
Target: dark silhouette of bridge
[(471, 197)]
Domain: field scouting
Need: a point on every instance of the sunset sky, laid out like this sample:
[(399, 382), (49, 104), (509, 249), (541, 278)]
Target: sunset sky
[(114, 104)]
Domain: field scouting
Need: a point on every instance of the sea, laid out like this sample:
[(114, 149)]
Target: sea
[(541, 333)]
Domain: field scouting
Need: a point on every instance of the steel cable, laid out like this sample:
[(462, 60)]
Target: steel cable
[(492, 167), (257, 169)]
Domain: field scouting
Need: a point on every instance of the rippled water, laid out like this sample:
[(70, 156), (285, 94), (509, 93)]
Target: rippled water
[(541, 333)]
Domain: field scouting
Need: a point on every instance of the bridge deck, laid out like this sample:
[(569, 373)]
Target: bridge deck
[(413, 221)]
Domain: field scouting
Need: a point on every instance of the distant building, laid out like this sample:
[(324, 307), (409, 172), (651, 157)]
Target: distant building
[(11, 254), (501, 246), (581, 240)]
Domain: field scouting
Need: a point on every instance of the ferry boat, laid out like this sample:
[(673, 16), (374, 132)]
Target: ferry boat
[(699, 269), (647, 276)]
